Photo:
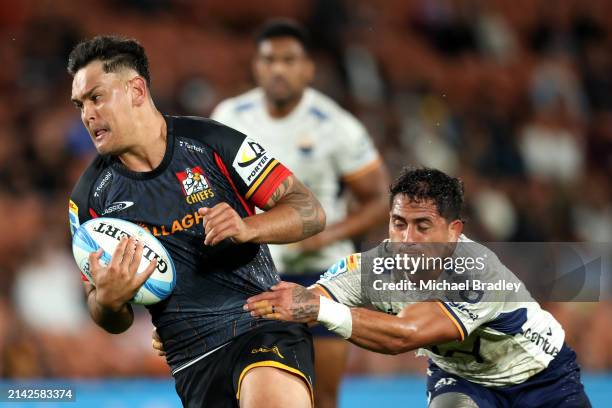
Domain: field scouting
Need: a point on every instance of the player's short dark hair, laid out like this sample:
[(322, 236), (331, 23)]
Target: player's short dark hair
[(115, 53), (422, 184), (283, 27)]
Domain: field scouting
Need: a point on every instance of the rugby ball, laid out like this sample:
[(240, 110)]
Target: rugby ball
[(106, 233)]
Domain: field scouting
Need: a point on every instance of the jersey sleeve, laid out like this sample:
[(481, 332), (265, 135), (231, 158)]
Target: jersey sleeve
[(468, 316), (471, 308), (80, 209), (250, 166), (342, 282), (357, 154)]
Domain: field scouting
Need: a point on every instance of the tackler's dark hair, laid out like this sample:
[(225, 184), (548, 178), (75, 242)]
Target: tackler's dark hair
[(422, 184)]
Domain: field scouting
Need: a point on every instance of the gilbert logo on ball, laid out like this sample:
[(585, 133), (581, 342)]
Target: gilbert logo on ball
[(106, 233)]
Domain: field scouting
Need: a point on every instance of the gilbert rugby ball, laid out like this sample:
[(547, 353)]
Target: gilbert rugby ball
[(106, 233)]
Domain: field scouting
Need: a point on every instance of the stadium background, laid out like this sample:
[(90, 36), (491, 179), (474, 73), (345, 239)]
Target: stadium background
[(514, 96)]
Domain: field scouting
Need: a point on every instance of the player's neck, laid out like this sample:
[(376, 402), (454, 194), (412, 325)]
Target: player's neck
[(149, 149), (282, 110)]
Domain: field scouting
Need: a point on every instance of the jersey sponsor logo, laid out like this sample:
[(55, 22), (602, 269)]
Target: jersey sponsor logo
[(180, 224), (443, 382), (542, 341), (251, 161), (274, 350), (194, 185), (73, 216), (103, 183), (192, 147), (118, 233), (463, 309), (117, 206), (248, 156)]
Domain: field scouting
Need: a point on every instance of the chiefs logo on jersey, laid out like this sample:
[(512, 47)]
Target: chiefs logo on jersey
[(194, 185)]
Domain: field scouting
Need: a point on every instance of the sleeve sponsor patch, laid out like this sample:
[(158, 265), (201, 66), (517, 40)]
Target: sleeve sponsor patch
[(251, 161), (346, 264), (259, 171)]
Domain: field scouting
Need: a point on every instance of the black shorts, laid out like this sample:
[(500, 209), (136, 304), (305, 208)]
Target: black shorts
[(215, 380)]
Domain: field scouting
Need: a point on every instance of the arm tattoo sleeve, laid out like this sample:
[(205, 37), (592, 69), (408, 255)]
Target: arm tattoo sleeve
[(293, 193)]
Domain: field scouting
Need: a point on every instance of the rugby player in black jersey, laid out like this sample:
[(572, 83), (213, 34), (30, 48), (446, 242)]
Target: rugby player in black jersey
[(194, 184)]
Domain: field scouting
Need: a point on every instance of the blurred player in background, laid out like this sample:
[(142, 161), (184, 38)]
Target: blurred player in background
[(194, 183), (483, 352), (328, 149)]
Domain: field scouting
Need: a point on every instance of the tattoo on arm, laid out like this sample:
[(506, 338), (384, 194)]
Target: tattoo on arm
[(305, 305), (278, 193), (293, 193)]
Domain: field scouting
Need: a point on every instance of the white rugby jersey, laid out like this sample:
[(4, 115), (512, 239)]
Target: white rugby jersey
[(505, 340), (322, 144)]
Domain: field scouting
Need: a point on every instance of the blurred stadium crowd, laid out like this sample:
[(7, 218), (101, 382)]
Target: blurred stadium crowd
[(513, 96)]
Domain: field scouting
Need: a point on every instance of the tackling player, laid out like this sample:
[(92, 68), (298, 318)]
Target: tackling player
[(326, 148), (483, 353), (194, 184)]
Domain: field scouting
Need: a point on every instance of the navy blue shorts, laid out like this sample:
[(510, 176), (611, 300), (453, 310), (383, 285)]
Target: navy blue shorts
[(556, 386), (306, 280)]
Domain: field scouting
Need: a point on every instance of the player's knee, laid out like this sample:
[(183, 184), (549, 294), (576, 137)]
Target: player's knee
[(271, 387), (453, 400)]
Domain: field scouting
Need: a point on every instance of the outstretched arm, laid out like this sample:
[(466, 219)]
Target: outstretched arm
[(417, 325)]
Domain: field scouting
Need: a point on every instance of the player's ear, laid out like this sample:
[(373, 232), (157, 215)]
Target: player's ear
[(137, 87), (455, 228)]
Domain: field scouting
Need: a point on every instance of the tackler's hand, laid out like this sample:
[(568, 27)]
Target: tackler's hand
[(285, 301)]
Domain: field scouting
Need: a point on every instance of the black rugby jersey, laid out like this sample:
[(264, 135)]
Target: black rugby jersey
[(205, 163)]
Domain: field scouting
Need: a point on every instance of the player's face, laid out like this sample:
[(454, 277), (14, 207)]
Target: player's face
[(283, 69), (105, 106), (420, 222)]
